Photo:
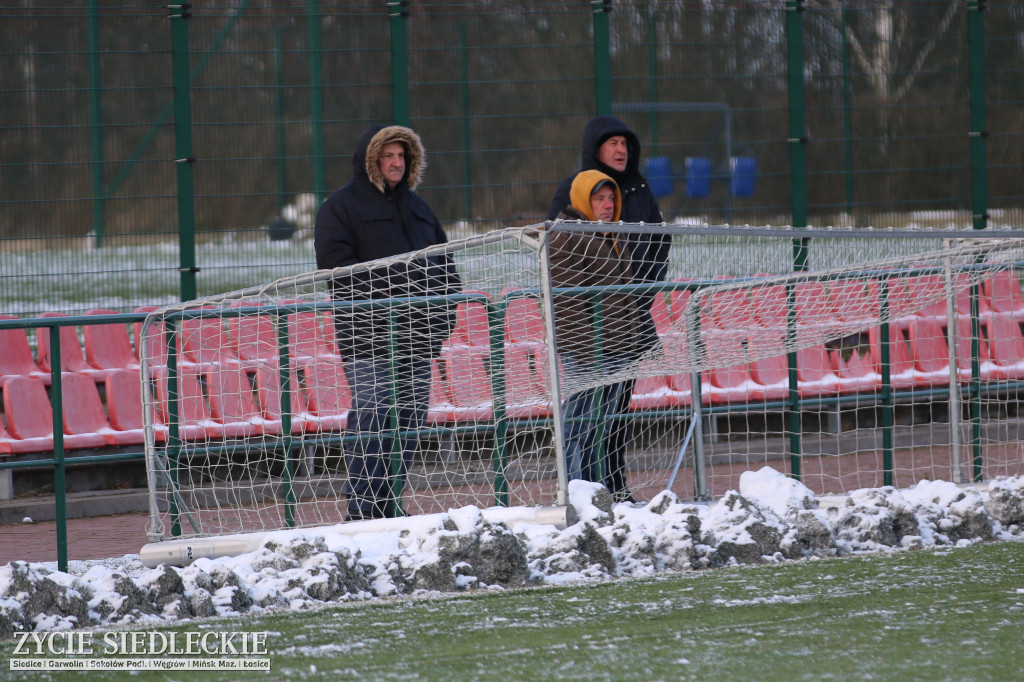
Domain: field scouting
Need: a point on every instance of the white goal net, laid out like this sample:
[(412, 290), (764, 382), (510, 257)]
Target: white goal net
[(492, 370)]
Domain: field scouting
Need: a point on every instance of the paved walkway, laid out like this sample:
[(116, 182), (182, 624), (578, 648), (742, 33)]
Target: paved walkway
[(97, 537)]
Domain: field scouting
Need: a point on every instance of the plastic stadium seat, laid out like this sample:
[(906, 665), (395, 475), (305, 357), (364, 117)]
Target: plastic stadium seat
[(1003, 294), (523, 322), (16, 355), (816, 376), (108, 347), (255, 340), (205, 342), (525, 395), (440, 409), (268, 394), (233, 403), (730, 309), (733, 383), (310, 335), (856, 374), (469, 384), (851, 302), (84, 414), (901, 302), (769, 304), (932, 285), (472, 326), (988, 370), (1006, 346), (930, 351), (654, 393), (194, 420), (677, 299), (661, 314), (124, 405), (29, 415), (72, 358), (154, 344), (902, 373), (327, 393)]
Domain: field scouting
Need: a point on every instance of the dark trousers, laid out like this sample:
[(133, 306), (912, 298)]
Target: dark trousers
[(374, 391)]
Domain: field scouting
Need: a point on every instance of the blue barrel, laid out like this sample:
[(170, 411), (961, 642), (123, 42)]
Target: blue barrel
[(658, 170), (698, 176), (744, 175)]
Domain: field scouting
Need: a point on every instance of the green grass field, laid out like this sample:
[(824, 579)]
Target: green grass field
[(952, 614)]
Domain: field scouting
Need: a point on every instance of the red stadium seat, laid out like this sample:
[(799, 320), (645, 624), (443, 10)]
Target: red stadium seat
[(469, 384), (1006, 345), (205, 343), (327, 393), (523, 322), (30, 416), (71, 357), (731, 383), (525, 395), (84, 413), (440, 409), (902, 373), (16, 355), (1003, 294), (268, 393), (194, 420), (472, 326), (124, 405), (233, 404), (661, 314), (255, 339), (930, 351), (677, 299), (310, 335), (856, 374), (108, 347)]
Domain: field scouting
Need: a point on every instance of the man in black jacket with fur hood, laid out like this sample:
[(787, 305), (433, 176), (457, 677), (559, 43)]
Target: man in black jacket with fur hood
[(378, 215), (610, 146)]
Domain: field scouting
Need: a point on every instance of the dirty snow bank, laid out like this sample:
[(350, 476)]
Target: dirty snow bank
[(771, 518)]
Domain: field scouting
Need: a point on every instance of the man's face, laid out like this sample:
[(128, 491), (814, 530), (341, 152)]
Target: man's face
[(392, 163), (602, 203), (614, 152)]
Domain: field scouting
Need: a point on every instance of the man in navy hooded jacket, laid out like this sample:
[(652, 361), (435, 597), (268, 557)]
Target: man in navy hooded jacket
[(377, 215), (610, 146)]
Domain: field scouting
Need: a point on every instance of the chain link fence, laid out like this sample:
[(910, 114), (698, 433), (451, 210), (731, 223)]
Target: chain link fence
[(152, 154)]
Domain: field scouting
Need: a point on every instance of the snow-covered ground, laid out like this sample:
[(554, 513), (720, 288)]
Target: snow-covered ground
[(771, 518)]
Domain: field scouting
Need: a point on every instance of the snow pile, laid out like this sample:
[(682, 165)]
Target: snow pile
[(771, 518)]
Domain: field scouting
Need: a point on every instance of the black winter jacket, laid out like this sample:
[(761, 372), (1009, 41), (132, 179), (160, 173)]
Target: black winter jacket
[(649, 251), (366, 220)]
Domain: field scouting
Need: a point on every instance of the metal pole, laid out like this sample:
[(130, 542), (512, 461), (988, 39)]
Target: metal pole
[(496, 322), (59, 483), (554, 380), (184, 160), (96, 114), (652, 38), (885, 360), (847, 123), (398, 13), (316, 107), (979, 199), (279, 113), (602, 57), (954, 374), (288, 472), (797, 123), (467, 142)]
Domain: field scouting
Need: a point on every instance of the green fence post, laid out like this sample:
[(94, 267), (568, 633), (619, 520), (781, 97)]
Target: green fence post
[(59, 484), (279, 125), (496, 324), (798, 187), (652, 57), (398, 12), (847, 123), (184, 160), (288, 471), (96, 116), (602, 56), (886, 367), (979, 198), (467, 142), (316, 107)]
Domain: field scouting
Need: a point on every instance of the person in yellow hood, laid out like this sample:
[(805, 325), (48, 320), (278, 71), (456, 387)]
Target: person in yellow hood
[(591, 344)]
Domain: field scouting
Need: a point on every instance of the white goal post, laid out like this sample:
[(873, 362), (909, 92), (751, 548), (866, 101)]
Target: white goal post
[(563, 353)]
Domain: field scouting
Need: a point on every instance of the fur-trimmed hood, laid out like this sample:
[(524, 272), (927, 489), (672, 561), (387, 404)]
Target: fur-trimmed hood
[(370, 146)]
